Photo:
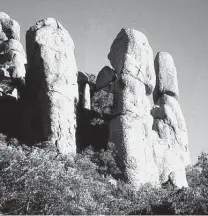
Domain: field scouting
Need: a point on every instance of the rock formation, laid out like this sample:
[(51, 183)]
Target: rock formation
[(130, 129), (51, 81), (10, 29), (58, 104), (171, 140), (105, 77), (13, 58), (86, 99), (12, 74)]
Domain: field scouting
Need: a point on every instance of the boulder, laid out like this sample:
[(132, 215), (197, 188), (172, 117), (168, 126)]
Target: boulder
[(51, 81), (13, 58), (9, 26), (4, 16), (124, 56), (105, 77), (130, 128), (12, 45), (166, 76), (3, 37)]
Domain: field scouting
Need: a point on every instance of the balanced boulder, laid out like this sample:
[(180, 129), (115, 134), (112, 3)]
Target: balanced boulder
[(105, 77), (9, 26)]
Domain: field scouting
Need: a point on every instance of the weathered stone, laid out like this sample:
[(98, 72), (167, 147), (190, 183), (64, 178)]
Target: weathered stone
[(13, 59), (130, 129), (51, 80), (170, 138), (130, 96), (3, 37), (10, 27), (4, 16), (86, 98), (170, 164), (170, 125), (166, 76), (105, 77), (12, 45), (132, 53)]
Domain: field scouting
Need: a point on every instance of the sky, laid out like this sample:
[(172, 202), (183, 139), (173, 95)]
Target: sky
[(175, 26)]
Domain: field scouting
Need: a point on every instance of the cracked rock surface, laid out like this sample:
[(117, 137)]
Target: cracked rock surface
[(169, 127), (130, 128), (52, 82)]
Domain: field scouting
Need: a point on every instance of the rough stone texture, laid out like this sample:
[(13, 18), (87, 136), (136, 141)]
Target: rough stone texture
[(166, 76), (130, 129), (131, 50), (9, 26), (12, 45), (12, 62), (12, 57), (86, 98), (170, 138), (51, 81), (170, 164), (135, 154), (105, 77)]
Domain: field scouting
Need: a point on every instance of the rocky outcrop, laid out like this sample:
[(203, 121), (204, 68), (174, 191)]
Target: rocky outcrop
[(166, 76), (170, 137), (12, 59), (105, 77), (130, 129), (70, 109), (51, 81), (10, 29), (12, 75)]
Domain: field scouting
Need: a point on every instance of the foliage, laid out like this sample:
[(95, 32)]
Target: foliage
[(102, 102), (38, 181)]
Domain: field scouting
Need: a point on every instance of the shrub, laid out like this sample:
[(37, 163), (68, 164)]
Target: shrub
[(37, 181)]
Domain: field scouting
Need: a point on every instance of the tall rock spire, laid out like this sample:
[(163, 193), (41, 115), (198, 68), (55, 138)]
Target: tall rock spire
[(130, 128), (51, 81), (171, 138)]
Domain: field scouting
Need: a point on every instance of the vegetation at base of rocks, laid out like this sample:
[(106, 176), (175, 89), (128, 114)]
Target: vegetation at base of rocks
[(38, 181)]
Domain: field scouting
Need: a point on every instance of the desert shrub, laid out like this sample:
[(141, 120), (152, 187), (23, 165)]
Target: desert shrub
[(102, 102), (38, 181)]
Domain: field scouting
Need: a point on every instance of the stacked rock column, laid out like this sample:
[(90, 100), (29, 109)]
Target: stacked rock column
[(171, 139), (131, 125), (13, 58), (51, 81), (12, 73)]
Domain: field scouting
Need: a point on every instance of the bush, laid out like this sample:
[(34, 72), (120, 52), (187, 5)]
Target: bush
[(37, 181)]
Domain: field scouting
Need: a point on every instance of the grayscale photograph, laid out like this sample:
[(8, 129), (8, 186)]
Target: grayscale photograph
[(103, 107)]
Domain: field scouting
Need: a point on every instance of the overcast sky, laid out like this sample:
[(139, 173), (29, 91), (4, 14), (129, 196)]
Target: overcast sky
[(179, 27)]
